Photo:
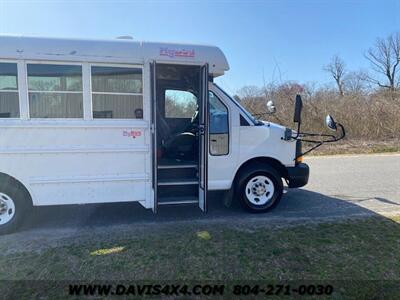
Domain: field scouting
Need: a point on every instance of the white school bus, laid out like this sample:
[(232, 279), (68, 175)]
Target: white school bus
[(92, 121)]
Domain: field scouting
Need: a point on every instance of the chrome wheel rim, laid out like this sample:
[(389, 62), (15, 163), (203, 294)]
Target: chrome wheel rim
[(260, 190), (7, 208)]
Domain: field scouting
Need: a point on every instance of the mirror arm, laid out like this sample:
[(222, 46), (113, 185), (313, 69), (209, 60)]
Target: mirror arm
[(297, 132), (301, 135), (316, 134), (309, 150), (318, 143), (343, 131)]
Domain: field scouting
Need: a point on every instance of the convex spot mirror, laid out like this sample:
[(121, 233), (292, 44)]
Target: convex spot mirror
[(271, 107), (330, 122)]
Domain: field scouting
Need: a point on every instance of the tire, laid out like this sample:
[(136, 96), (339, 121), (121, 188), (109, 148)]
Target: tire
[(260, 188), (13, 207)]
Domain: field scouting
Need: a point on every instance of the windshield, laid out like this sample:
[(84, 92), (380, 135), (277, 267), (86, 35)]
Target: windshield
[(244, 111)]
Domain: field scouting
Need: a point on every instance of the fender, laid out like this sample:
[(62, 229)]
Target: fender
[(277, 165)]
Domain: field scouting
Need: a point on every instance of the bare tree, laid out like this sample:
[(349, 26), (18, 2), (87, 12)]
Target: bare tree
[(337, 69), (385, 59), (355, 82), (249, 91)]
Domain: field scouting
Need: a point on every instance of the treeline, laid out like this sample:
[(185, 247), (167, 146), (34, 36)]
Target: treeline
[(367, 102)]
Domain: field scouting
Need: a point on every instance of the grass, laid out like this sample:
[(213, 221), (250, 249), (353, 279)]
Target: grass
[(364, 249)]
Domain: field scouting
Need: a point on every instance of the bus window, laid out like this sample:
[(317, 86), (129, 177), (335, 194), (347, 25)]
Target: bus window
[(180, 104), (219, 126), (55, 91), (9, 102), (117, 93)]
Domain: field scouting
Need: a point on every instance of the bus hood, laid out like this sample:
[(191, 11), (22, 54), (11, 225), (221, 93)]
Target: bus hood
[(274, 126)]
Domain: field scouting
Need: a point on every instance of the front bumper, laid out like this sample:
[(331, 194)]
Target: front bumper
[(298, 175)]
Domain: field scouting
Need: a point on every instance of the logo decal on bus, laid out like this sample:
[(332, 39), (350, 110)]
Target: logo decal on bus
[(132, 133), (164, 51)]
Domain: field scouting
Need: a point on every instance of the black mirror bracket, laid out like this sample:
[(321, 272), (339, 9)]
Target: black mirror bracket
[(304, 137), (307, 137)]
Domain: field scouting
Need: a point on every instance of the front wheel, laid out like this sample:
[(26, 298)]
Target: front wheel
[(260, 189)]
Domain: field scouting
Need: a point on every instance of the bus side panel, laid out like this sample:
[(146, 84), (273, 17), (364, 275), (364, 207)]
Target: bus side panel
[(79, 162)]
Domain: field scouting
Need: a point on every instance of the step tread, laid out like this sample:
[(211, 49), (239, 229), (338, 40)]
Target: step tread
[(183, 166), (175, 162), (177, 200), (183, 181)]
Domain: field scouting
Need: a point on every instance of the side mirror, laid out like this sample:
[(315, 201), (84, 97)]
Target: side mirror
[(271, 107), (297, 109), (330, 122)]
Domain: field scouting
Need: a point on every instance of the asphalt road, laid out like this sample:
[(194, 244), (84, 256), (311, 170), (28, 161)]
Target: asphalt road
[(339, 187)]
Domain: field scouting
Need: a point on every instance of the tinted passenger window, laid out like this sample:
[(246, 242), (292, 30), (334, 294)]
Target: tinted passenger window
[(55, 91), (9, 98), (219, 126), (117, 93)]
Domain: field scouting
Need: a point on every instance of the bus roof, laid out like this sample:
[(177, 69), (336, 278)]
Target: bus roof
[(111, 51)]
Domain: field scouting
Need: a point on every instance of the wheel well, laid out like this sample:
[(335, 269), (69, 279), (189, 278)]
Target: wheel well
[(276, 164), (7, 179)]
